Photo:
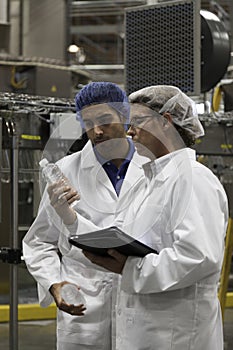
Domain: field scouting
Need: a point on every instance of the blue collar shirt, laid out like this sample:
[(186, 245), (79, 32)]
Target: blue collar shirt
[(116, 175)]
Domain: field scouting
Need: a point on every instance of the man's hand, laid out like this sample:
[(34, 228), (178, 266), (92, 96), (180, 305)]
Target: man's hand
[(61, 196), (114, 263), (74, 310)]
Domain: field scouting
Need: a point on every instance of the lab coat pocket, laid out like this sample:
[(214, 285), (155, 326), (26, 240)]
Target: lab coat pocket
[(94, 327), (144, 330)]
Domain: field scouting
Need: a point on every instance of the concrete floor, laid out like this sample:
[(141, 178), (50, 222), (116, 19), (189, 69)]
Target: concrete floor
[(40, 335), (36, 335), (228, 329)]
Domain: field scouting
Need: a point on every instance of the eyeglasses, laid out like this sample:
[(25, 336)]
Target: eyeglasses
[(137, 122)]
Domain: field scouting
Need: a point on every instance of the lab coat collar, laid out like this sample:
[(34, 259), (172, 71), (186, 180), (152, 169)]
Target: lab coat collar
[(94, 168), (164, 166), (88, 157)]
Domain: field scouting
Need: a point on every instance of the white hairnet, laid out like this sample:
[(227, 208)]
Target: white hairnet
[(166, 98)]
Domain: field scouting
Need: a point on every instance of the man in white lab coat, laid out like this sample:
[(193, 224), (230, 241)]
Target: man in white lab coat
[(102, 175), (169, 300)]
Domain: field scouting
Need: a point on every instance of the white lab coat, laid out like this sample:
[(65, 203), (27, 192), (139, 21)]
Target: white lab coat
[(169, 301), (99, 204)]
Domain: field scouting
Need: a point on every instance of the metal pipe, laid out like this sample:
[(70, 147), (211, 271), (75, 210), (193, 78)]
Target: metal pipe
[(4, 11), (0, 169), (102, 8), (14, 242), (8, 11), (231, 23), (68, 23), (21, 11)]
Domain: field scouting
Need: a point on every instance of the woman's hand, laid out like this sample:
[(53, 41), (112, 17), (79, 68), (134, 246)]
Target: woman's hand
[(74, 310), (115, 262), (61, 197)]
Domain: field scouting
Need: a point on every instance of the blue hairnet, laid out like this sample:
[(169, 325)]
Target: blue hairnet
[(102, 92), (99, 92)]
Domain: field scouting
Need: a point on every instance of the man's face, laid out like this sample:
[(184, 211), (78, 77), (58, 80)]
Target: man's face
[(104, 127)]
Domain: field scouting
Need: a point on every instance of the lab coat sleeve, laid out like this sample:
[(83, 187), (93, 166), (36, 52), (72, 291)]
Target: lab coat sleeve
[(197, 246), (40, 250), (40, 246), (82, 225)]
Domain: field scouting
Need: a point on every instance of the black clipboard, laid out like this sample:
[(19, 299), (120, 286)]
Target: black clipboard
[(98, 242)]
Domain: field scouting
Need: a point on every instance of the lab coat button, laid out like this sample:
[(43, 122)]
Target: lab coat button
[(119, 311), (119, 341), (130, 321)]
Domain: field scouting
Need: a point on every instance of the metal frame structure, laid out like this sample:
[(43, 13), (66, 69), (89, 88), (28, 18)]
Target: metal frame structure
[(15, 109)]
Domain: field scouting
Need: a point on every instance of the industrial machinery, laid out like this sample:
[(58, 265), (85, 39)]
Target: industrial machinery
[(175, 43), (215, 149), (29, 126)]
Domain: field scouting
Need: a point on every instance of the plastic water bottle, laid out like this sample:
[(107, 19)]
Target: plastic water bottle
[(52, 173), (72, 295)]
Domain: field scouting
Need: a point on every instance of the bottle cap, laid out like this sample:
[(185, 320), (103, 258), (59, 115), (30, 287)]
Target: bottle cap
[(43, 162)]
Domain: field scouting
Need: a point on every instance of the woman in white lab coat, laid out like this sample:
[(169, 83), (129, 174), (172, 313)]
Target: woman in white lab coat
[(49, 256), (169, 301)]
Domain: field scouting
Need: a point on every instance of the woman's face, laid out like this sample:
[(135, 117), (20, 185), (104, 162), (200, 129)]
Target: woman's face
[(147, 129)]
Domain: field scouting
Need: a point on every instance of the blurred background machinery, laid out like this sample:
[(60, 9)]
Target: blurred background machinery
[(31, 127), (50, 49)]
